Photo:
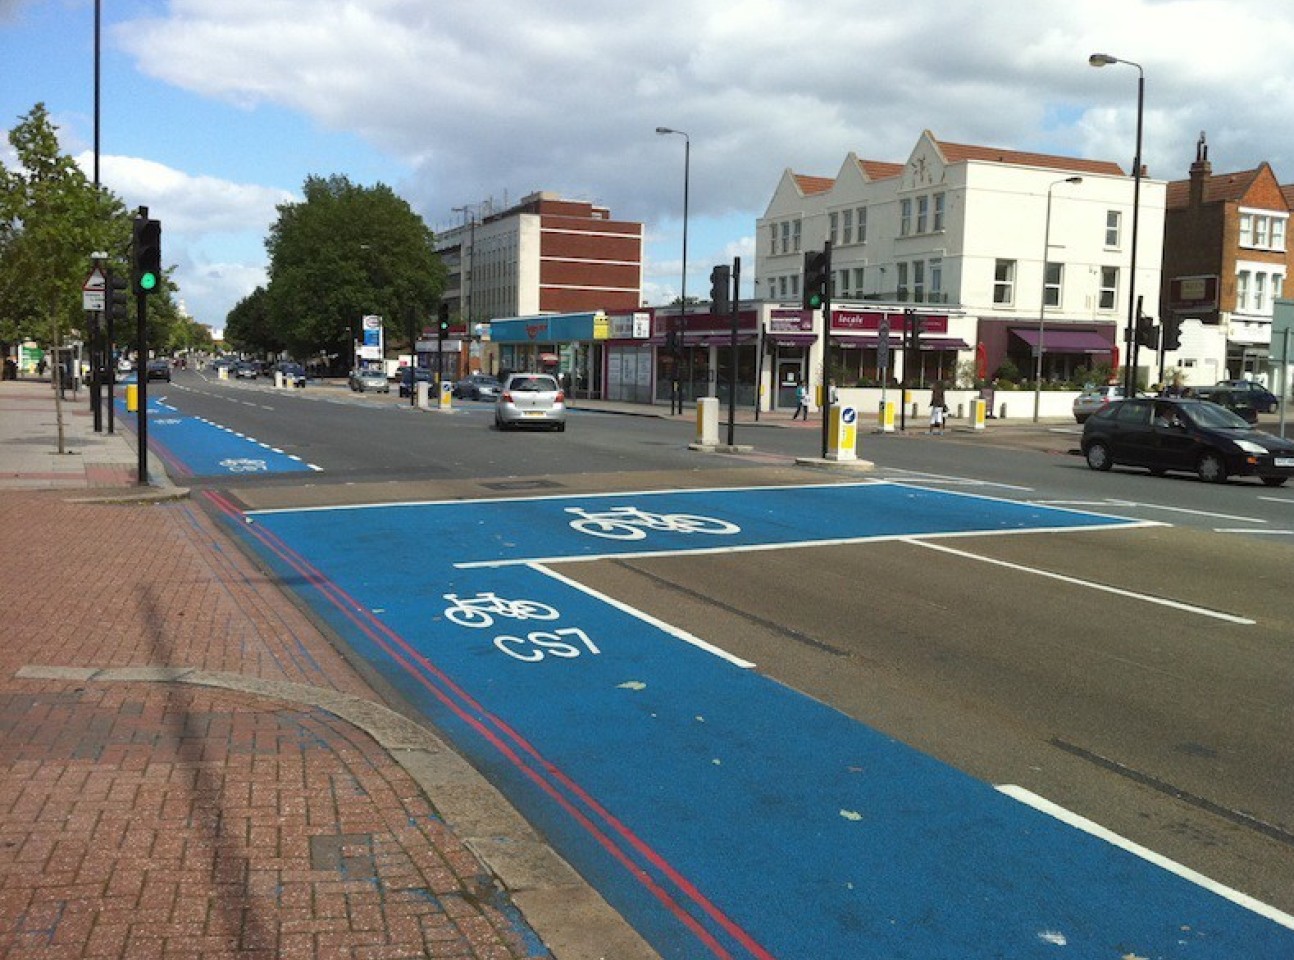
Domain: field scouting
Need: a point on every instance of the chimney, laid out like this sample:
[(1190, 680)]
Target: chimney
[(1201, 170)]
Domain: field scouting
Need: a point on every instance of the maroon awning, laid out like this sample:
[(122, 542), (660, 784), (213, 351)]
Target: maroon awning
[(1066, 341)]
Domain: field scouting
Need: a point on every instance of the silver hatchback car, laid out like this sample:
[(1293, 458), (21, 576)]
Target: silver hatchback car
[(531, 398)]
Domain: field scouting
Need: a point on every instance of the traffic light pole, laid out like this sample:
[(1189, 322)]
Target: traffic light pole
[(732, 363), (141, 388), (826, 350)]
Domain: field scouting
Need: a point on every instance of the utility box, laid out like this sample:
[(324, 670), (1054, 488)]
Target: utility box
[(886, 417), (707, 422)]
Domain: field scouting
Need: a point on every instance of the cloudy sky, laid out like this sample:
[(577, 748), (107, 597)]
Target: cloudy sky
[(214, 111)]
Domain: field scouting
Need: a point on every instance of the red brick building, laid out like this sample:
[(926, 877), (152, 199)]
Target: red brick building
[(1226, 257)]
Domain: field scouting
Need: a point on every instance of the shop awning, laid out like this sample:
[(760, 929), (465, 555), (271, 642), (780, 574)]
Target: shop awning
[(942, 343), (791, 339), (1066, 341), (724, 340), (870, 341)]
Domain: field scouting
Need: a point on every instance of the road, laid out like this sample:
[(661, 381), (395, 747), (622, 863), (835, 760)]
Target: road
[(1137, 676)]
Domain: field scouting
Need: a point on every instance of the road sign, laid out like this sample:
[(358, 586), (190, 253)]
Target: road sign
[(92, 291)]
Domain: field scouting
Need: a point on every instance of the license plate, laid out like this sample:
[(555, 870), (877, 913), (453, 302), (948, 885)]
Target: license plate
[(1284, 461), (534, 413)]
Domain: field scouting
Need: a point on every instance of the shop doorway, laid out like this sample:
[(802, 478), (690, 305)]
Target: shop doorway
[(791, 371)]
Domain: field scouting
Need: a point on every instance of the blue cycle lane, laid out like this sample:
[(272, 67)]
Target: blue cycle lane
[(194, 446), (724, 814)]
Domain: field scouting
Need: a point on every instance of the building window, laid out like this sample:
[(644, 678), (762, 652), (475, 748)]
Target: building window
[(1278, 286), (795, 236), (781, 288), (1246, 230), (1109, 293), (1278, 233), (844, 283), (919, 281), (847, 227), (905, 217), (1242, 290), (1260, 292), (1262, 231), (833, 231), (858, 281), (1113, 220), (1004, 282), (862, 226), (923, 213), (795, 286), (939, 212), (786, 236), (1051, 284), (901, 279), (936, 281), (772, 238)]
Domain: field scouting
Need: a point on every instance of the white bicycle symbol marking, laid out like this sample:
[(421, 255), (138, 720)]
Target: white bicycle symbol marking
[(243, 465), (630, 523), (480, 610), (166, 422)]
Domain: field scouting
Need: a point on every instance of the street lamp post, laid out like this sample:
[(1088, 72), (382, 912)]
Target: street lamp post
[(1130, 335), (1042, 303), (682, 296)]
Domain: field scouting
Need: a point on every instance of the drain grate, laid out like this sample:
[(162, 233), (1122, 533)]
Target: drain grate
[(523, 485)]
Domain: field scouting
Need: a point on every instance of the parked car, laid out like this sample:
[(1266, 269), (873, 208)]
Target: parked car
[(246, 370), (1188, 435), (407, 379), (1260, 398), (293, 373), (478, 386), (369, 378), (159, 369), (1238, 402), (531, 398), (1093, 399)]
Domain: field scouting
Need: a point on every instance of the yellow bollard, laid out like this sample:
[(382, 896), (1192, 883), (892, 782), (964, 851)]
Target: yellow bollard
[(132, 398)]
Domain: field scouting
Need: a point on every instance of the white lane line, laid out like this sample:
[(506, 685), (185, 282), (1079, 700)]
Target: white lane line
[(1194, 513), (1275, 533), (647, 618), (1278, 500), (781, 545), (918, 476), (1043, 805), (1090, 584)]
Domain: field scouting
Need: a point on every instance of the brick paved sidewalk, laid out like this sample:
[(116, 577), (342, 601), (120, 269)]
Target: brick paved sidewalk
[(189, 769)]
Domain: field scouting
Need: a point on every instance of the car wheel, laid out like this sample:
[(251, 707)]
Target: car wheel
[(1274, 481), (1211, 467), (1098, 456)]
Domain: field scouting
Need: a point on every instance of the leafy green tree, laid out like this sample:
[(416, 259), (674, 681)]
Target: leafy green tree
[(51, 219), (248, 328), (344, 252)]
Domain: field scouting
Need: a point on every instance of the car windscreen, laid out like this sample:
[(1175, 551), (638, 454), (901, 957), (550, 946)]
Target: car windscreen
[(533, 384), (1215, 417)]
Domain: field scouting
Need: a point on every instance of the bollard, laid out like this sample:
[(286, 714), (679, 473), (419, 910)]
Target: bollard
[(424, 395), (446, 395), (279, 379), (842, 433), (707, 422), (132, 398), (960, 411), (1002, 413), (887, 416), (979, 409)]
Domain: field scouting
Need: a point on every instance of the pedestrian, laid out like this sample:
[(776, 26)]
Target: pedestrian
[(801, 401), (938, 407)]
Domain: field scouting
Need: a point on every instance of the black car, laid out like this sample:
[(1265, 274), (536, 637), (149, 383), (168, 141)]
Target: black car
[(1188, 435), (1239, 402), (159, 369)]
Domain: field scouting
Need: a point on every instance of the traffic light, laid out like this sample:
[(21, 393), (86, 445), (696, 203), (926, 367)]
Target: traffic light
[(816, 266), (1172, 332), (116, 297), (146, 252), (442, 323), (720, 281), (1147, 332)]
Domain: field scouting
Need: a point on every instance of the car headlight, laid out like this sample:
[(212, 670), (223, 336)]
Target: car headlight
[(1248, 446)]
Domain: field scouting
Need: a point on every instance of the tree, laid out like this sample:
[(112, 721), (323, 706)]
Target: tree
[(51, 219), (344, 252), (248, 329)]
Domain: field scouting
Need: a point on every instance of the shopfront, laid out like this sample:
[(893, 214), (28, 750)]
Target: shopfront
[(695, 351), (629, 356), (571, 346), (788, 341), (857, 358)]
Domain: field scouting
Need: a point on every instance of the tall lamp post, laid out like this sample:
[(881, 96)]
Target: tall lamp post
[(1130, 336), (1042, 303), (682, 296)]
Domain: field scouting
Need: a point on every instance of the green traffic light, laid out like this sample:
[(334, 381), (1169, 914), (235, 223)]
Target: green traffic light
[(148, 281), (815, 301)]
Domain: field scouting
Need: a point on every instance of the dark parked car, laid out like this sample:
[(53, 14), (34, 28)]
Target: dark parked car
[(407, 379), (159, 369), (246, 370), (478, 386), (294, 375), (1260, 398), (1189, 435)]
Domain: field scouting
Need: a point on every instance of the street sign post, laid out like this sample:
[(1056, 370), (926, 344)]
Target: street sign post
[(93, 291)]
